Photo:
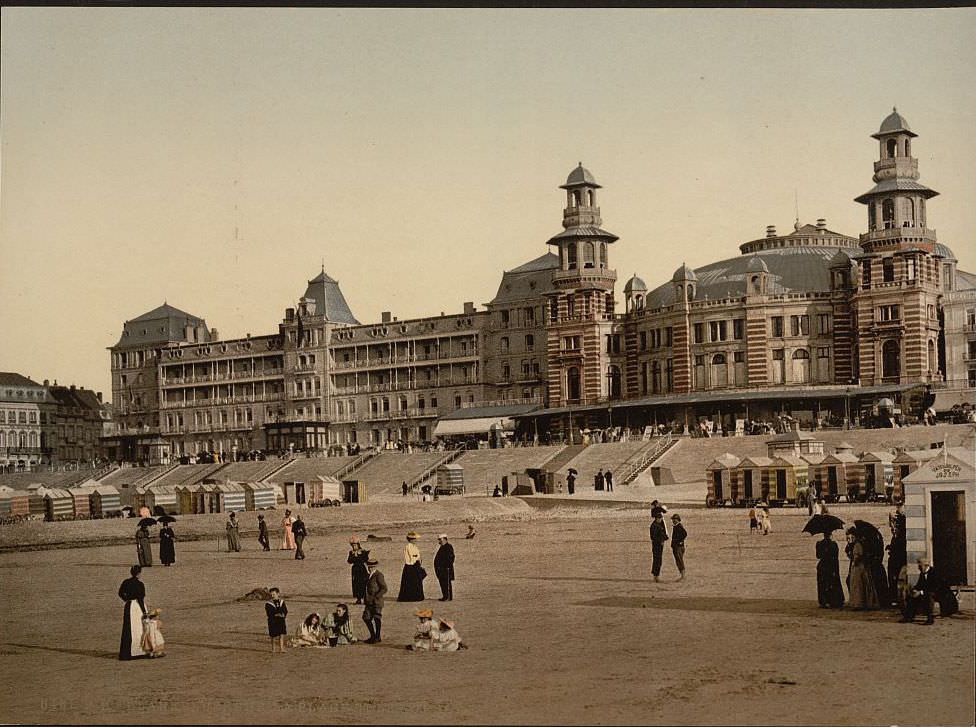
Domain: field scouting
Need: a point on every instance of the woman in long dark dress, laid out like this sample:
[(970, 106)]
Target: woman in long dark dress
[(133, 592), (357, 559), (830, 593), (874, 548), (167, 547), (412, 577), (142, 547)]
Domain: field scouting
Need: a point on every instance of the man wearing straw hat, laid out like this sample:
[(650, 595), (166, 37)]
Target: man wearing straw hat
[(375, 591), (444, 567)]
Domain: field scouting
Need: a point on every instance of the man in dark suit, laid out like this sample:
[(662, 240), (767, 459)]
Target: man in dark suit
[(444, 567), (608, 479), (299, 531), (929, 586), (375, 591), (659, 534)]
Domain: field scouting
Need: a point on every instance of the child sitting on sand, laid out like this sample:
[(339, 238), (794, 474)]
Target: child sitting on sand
[(152, 638)]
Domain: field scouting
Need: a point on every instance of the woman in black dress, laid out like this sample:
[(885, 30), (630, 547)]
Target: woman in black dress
[(357, 559), (167, 549), (133, 592), (830, 593)]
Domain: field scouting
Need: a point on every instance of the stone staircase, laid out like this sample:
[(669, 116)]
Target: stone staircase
[(484, 468), (561, 459), (645, 457)]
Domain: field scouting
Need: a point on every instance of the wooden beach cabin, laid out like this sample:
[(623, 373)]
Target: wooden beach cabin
[(14, 502), (841, 473), (720, 481), (81, 500), (259, 496), (450, 479), (324, 489), (878, 477), (36, 503), (58, 504), (162, 500), (105, 500), (230, 497), (787, 473), (752, 477), (206, 498)]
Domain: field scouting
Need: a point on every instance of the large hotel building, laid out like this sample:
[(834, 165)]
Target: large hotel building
[(813, 322)]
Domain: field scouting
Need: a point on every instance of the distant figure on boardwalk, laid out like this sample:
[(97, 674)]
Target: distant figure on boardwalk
[(277, 613), (659, 534), (830, 593), (412, 577), (608, 479), (287, 537), (167, 548), (357, 559), (142, 547), (444, 567), (375, 593), (133, 593), (233, 534), (263, 533), (299, 532), (598, 480), (678, 537)]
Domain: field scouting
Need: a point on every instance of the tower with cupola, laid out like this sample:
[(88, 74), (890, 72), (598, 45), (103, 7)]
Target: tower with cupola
[(900, 271), (585, 358)]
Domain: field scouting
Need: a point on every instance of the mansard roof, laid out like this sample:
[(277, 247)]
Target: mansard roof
[(329, 300)]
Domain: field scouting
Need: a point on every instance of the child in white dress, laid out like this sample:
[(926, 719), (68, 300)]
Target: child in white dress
[(152, 637)]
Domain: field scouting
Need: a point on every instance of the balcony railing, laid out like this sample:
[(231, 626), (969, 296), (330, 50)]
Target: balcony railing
[(404, 360), (222, 376)]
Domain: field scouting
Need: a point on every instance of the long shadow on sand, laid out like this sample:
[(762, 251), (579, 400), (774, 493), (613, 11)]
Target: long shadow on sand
[(78, 652), (214, 647)]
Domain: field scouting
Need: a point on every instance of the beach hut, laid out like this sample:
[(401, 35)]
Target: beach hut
[(184, 499), (794, 442), (324, 489), (230, 497), (878, 476), (279, 493), (35, 500), (814, 474), (81, 500), (354, 491), (105, 500), (259, 496), (14, 502), (788, 472), (58, 504), (295, 493), (905, 462), (940, 513), (752, 478), (720, 481), (6, 495), (206, 498), (162, 500), (450, 479), (841, 476)]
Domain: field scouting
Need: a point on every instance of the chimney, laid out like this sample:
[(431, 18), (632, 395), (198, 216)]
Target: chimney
[(770, 230), (821, 225), (213, 334), (468, 308), (386, 316), (289, 314), (201, 331), (98, 395), (46, 383), (72, 387)]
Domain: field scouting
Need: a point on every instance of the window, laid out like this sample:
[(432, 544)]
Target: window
[(529, 316), (669, 336), (776, 326), (824, 323), (888, 270), (799, 325), (738, 329), (571, 255), (888, 313), (529, 340), (970, 317), (526, 369), (778, 354), (553, 310), (911, 269), (738, 357), (718, 330), (457, 401), (573, 384), (823, 352), (571, 343), (866, 274), (503, 344), (571, 306), (699, 360), (699, 333), (613, 343), (643, 340), (504, 319), (506, 372)]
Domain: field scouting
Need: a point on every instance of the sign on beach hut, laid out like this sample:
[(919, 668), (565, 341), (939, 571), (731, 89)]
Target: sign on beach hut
[(58, 504), (721, 485), (878, 475), (259, 496), (81, 500), (904, 463), (106, 500), (230, 497)]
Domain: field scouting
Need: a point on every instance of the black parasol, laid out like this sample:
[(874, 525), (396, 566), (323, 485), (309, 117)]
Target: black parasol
[(819, 524), (146, 522), (870, 536), (572, 471), (165, 519)]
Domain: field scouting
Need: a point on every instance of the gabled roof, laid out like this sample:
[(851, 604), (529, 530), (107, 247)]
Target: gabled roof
[(548, 261), (329, 300), (9, 378)]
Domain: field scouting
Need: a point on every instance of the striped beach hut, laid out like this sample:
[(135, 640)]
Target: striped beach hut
[(184, 498), (719, 476), (58, 504), (106, 500), (231, 497), (206, 498), (35, 499), (878, 475), (14, 502), (81, 500), (259, 496), (841, 473), (787, 472), (6, 495), (814, 473), (323, 489), (904, 463), (162, 500), (752, 478)]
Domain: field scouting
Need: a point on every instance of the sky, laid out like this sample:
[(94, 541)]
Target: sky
[(214, 158)]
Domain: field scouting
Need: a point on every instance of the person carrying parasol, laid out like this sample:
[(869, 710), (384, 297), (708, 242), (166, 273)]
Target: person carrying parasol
[(830, 593)]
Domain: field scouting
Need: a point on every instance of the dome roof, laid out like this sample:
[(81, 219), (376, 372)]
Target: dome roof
[(580, 175), (757, 265), (943, 250), (635, 285), (684, 273), (893, 124)]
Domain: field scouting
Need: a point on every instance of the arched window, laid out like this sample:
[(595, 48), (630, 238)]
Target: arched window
[(691, 293), (603, 254), (571, 255), (908, 212), (892, 148), (719, 358), (800, 354), (403, 403), (529, 342), (573, 384), (577, 198), (374, 407), (908, 147), (888, 213), (588, 253), (801, 366), (613, 382), (386, 405), (890, 359), (590, 197), (933, 361)]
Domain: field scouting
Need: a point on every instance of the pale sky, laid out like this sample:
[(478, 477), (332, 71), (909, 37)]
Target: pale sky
[(213, 157)]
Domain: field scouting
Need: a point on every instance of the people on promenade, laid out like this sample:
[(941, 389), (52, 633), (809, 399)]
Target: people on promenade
[(133, 594), (277, 613), (571, 482), (167, 547), (830, 593), (299, 533), (287, 537), (678, 537), (338, 630), (357, 559), (233, 534), (375, 593), (142, 547), (598, 481), (444, 567), (263, 539), (659, 534), (412, 577), (657, 508)]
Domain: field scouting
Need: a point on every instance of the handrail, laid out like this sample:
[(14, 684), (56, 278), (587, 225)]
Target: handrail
[(645, 459)]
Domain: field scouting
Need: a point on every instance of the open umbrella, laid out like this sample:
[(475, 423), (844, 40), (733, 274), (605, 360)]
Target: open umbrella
[(864, 529), (819, 524), (166, 519), (146, 522), (573, 471)]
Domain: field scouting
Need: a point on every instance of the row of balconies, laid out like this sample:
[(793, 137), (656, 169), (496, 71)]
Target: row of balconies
[(225, 376), (223, 400), (403, 360), (401, 386)]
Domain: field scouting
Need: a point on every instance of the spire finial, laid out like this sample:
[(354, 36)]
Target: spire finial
[(581, 164), (323, 265), (894, 109)]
